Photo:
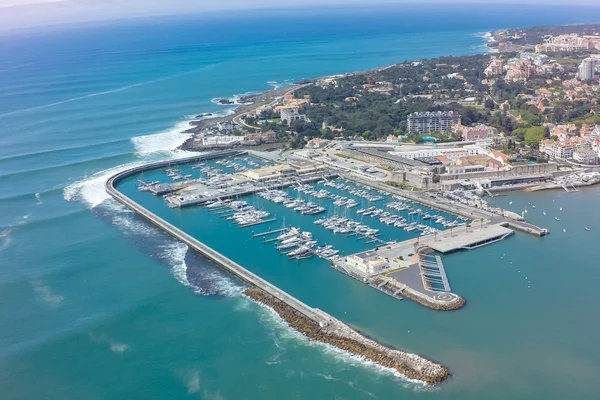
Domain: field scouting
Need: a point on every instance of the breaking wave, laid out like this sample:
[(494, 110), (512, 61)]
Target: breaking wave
[(166, 141), (90, 190), (279, 84), (203, 279)]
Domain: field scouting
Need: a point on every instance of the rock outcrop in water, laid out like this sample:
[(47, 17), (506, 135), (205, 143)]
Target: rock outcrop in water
[(340, 335)]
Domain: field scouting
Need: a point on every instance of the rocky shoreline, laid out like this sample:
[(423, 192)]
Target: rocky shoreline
[(340, 335), (245, 105)]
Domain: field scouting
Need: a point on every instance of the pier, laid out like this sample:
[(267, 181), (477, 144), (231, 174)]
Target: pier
[(432, 271), (508, 219)]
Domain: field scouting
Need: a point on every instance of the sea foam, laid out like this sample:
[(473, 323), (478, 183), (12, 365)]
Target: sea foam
[(165, 141), (279, 84), (174, 253), (90, 190), (5, 238), (46, 294)]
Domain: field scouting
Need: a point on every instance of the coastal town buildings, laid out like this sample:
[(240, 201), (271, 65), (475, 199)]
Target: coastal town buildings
[(589, 68), (556, 148), (316, 143), (291, 115), (585, 155), (495, 67), (220, 140), (479, 132), (451, 153), (368, 262), (261, 137), (569, 42), (432, 122)]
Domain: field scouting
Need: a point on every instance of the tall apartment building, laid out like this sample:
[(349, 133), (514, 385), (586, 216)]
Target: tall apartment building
[(432, 122), (589, 68)]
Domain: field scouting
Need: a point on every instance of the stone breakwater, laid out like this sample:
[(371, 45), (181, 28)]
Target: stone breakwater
[(340, 335)]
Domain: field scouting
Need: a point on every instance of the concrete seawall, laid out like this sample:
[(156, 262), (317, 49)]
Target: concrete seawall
[(322, 327)]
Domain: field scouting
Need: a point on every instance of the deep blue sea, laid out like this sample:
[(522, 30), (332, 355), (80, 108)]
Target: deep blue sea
[(96, 304)]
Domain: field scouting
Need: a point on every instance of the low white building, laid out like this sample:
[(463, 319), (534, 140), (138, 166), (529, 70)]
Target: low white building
[(221, 140), (367, 262), (452, 153), (316, 143), (463, 169)]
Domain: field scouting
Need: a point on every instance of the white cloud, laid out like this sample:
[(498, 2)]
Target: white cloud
[(20, 3)]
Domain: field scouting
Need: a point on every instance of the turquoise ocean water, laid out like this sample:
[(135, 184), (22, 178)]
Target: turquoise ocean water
[(95, 304)]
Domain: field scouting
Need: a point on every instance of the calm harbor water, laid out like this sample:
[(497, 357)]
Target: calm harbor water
[(96, 304)]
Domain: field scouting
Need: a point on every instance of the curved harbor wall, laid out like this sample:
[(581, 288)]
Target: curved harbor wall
[(317, 324)]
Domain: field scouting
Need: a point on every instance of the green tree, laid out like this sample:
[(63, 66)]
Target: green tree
[(534, 135)]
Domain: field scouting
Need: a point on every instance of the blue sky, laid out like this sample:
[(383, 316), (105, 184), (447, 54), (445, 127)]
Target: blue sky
[(16, 14)]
